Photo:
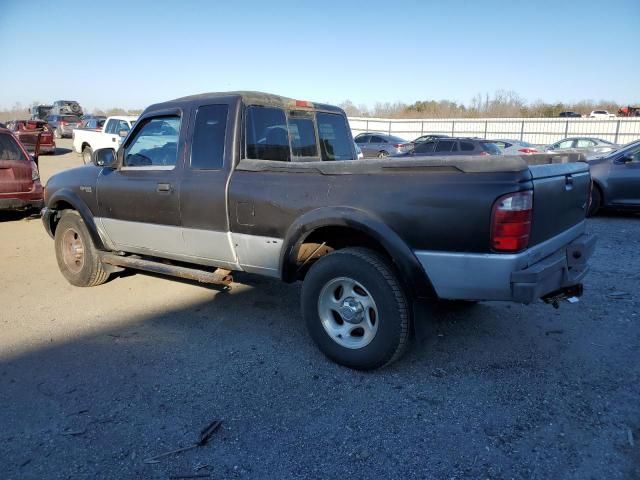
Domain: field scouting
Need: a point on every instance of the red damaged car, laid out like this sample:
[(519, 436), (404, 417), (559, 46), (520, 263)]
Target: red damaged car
[(27, 132), (20, 186)]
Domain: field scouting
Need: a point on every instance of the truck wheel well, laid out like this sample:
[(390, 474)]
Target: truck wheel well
[(325, 240), (59, 207), (84, 145)]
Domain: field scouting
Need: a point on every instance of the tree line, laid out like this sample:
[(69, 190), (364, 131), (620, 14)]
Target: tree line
[(501, 104)]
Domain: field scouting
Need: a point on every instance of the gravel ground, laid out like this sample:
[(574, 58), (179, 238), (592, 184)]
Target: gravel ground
[(95, 381)]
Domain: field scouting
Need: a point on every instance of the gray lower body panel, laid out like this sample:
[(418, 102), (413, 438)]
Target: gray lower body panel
[(233, 251), (521, 277)]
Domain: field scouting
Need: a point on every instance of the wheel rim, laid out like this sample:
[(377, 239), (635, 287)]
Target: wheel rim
[(348, 313), (382, 154), (73, 250), (86, 155)]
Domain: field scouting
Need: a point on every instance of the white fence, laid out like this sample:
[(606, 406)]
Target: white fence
[(533, 130)]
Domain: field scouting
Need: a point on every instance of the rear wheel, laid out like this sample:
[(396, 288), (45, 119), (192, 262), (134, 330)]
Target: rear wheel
[(356, 309), (596, 201), (383, 154), (87, 152), (77, 257)]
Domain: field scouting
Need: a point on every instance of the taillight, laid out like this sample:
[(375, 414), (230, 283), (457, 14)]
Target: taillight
[(511, 222), (35, 175), (484, 153), (528, 150)]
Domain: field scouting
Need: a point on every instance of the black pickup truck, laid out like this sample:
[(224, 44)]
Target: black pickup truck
[(243, 181)]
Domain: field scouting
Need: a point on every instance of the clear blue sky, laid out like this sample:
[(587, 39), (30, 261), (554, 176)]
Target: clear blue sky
[(133, 53)]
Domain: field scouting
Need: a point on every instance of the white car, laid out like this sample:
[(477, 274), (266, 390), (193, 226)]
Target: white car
[(113, 131), (601, 114)]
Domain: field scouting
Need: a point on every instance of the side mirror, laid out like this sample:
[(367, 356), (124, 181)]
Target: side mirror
[(123, 133), (627, 158), (104, 157)]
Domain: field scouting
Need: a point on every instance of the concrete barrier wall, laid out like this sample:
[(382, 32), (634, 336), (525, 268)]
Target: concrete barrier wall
[(533, 130)]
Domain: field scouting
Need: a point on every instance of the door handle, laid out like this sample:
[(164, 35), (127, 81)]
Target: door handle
[(568, 183), (164, 188)]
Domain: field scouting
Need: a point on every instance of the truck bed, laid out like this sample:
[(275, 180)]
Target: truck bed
[(452, 196)]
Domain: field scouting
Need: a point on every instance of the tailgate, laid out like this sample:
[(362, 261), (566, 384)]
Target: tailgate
[(560, 198)]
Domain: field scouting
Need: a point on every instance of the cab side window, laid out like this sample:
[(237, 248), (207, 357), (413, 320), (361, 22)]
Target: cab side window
[(207, 147), (155, 144)]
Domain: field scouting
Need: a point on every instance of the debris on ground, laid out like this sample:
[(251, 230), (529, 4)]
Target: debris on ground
[(205, 436)]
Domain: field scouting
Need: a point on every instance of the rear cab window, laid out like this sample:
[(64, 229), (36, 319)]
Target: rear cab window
[(272, 133), (335, 139)]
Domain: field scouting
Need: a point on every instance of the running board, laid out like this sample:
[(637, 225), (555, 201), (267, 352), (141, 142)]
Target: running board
[(218, 277)]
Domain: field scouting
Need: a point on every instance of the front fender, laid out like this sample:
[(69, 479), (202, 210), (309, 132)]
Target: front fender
[(411, 271), (61, 200)]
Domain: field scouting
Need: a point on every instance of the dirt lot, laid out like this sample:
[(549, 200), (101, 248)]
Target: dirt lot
[(95, 381)]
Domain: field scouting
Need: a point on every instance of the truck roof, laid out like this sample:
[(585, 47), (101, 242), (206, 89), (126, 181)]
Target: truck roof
[(249, 98)]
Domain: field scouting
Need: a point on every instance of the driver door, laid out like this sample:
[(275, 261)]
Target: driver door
[(139, 201)]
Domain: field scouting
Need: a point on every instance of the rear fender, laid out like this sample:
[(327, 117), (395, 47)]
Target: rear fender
[(411, 272)]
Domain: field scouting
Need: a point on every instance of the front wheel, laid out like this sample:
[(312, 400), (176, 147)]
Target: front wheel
[(596, 201), (87, 152), (77, 257), (355, 309)]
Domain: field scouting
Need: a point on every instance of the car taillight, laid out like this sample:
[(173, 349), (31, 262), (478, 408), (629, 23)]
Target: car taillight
[(511, 222), (484, 153), (35, 175), (528, 150), (62, 122)]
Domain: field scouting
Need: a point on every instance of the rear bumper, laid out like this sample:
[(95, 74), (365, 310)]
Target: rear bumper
[(558, 263), (47, 149), (21, 200)]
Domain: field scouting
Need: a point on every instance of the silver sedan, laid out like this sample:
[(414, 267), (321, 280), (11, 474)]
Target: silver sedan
[(588, 145)]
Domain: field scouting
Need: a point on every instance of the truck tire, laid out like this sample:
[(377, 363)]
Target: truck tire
[(355, 309), (77, 256), (383, 154), (87, 152)]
